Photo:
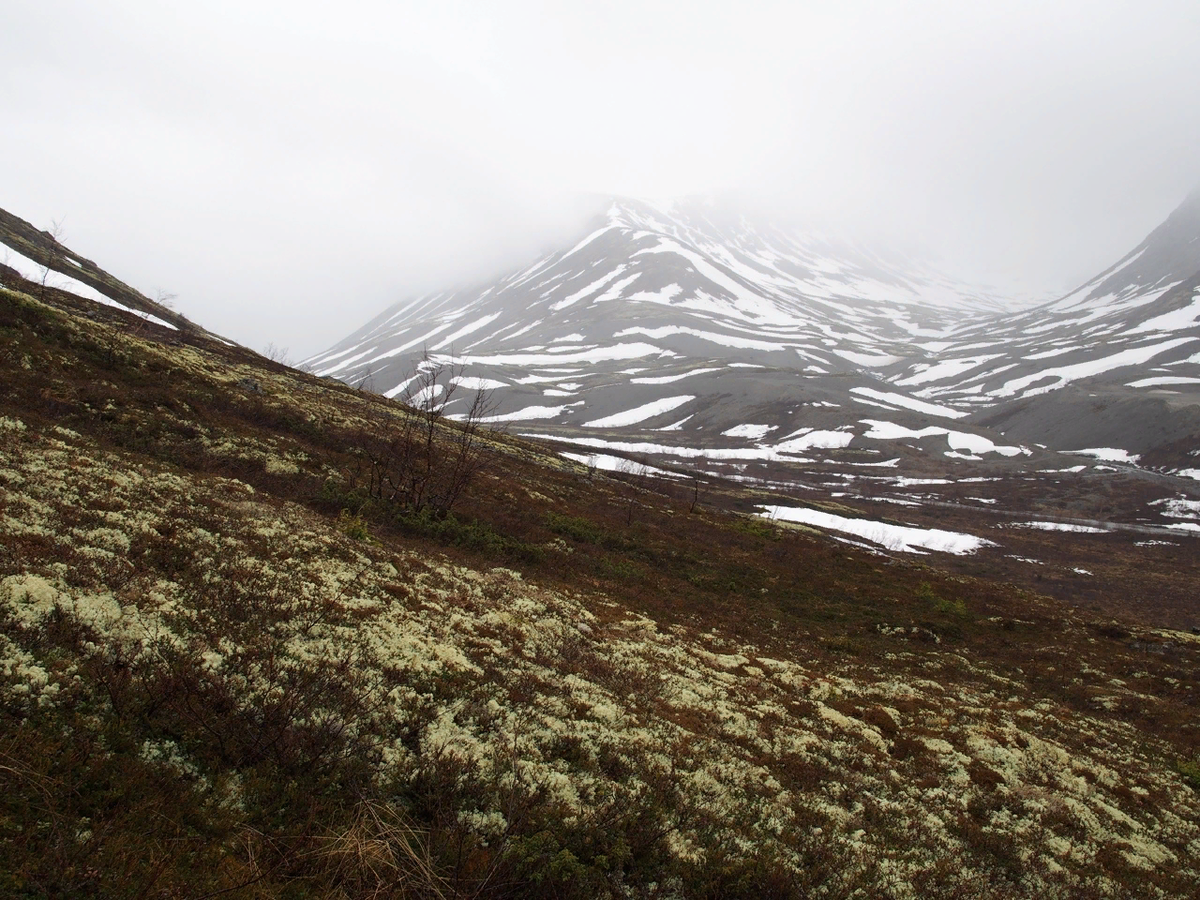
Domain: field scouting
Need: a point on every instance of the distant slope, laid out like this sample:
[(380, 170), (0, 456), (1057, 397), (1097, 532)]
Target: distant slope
[(685, 319), (30, 254), (1169, 254), (1135, 324), (654, 283), (1115, 363), (669, 316)]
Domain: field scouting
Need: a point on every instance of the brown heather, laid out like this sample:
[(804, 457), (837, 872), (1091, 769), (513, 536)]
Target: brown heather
[(230, 665)]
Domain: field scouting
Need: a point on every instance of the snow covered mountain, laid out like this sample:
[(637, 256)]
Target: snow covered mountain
[(1115, 363), (728, 338), (658, 294)]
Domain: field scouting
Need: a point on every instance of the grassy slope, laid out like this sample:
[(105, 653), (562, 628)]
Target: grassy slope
[(223, 668)]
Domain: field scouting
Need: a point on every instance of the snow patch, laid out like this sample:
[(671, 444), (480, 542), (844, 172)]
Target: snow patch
[(958, 440), (608, 463), (906, 402), (471, 383), (667, 379), (1134, 356), (1163, 380), (1176, 320), (583, 292), (816, 440), (1059, 526), (526, 414), (753, 432), (596, 355), (1110, 454), (1178, 508), (640, 413), (868, 360), (902, 538)]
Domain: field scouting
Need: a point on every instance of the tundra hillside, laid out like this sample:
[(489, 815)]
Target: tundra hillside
[(232, 665)]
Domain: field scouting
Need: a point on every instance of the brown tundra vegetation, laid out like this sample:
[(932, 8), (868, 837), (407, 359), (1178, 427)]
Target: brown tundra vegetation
[(239, 657)]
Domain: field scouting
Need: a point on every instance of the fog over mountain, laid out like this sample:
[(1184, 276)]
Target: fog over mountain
[(681, 318), (287, 171)]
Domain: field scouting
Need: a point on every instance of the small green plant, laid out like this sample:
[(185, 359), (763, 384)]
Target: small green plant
[(757, 526), (576, 527), (1190, 770), (470, 534), (353, 526), (952, 607)]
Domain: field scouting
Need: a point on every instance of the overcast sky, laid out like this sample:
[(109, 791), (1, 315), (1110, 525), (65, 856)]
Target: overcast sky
[(290, 169)]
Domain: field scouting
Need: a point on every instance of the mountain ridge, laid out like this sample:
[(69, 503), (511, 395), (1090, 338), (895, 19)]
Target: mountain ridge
[(667, 290)]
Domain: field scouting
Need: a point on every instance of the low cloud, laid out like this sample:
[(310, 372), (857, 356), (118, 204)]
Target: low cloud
[(289, 172)]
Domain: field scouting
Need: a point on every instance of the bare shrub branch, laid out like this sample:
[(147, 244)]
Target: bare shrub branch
[(424, 458)]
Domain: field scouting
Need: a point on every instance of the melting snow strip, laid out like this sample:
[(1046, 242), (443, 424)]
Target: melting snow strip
[(903, 538)]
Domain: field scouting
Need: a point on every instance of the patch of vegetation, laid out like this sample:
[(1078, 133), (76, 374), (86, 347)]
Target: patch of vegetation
[(757, 526), (954, 606), (1190, 770), (353, 526), (586, 531)]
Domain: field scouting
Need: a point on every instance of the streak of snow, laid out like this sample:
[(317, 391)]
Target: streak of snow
[(465, 330), (1132, 357), (345, 364), (753, 432), (667, 379), (1163, 380), (906, 402), (957, 440), (528, 413), (33, 272), (599, 354), (707, 453), (949, 368), (1047, 354), (816, 440), (725, 340), (663, 296), (1175, 320), (1060, 526), (427, 394), (641, 413), (674, 426), (583, 292), (609, 463), (1179, 507), (867, 360), (477, 384), (614, 292), (901, 538), (1111, 454)]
